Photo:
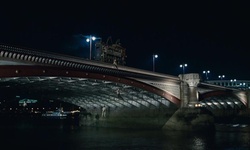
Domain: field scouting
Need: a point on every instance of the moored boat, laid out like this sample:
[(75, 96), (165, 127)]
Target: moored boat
[(58, 114)]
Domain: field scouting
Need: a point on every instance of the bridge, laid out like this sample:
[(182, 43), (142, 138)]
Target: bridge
[(233, 83), (93, 84)]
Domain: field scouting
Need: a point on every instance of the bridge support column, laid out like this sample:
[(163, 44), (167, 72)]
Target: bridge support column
[(188, 117), (189, 93)]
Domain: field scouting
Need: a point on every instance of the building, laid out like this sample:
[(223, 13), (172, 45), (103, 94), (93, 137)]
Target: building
[(109, 52)]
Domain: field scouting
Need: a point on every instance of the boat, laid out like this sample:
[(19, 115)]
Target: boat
[(57, 114)]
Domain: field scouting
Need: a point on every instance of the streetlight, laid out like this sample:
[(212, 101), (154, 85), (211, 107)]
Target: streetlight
[(233, 82), (90, 39), (206, 72), (183, 67), (221, 76), (154, 57)]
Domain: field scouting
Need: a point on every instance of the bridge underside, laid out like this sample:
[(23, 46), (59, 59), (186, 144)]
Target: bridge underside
[(222, 102), (222, 99), (129, 103), (83, 92)]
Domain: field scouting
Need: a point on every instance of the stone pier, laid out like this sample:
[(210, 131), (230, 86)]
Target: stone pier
[(190, 116)]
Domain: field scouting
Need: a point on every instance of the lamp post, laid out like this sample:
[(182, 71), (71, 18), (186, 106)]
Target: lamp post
[(90, 39), (221, 76), (183, 67), (206, 72), (154, 57), (233, 82)]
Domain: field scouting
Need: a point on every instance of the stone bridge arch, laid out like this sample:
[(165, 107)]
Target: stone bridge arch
[(19, 72)]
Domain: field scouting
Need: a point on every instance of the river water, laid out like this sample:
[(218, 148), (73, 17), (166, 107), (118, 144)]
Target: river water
[(34, 134)]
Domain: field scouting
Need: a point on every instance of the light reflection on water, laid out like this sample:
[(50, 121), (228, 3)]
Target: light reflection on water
[(65, 136)]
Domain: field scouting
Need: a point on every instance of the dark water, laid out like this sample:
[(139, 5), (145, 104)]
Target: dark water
[(67, 135)]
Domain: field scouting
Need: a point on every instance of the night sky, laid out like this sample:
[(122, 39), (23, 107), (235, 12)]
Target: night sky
[(207, 35)]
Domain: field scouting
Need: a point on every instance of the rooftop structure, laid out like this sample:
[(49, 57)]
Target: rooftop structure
[(109, 52)]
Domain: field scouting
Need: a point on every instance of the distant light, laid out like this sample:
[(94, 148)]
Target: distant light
[(156, 56), (221, 76), (206, 71), (183, 65)]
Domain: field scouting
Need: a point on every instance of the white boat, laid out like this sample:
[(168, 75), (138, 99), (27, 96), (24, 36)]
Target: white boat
[(59, 114)]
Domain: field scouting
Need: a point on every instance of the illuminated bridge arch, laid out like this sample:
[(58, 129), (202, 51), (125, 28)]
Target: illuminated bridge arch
[(223, 99), (86, 89), (37, 70), (80, 81)]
